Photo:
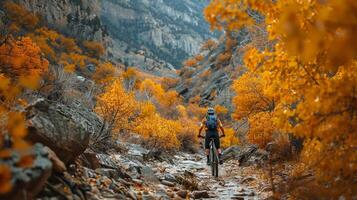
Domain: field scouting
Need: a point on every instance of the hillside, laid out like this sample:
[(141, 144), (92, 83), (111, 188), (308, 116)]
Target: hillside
[(166, 31), (113, 99)]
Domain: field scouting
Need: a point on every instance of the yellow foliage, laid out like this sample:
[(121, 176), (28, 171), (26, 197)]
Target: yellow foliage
[(131, 79), (261, 129), (168, 82), (224, 57), (221, 110), (309, 74), (250, 97), (20, 17), (160, 132), (205, 75), (22, 67), (104, 73), (209, 45), (199, 57), (116, 106), (151, 89), (230, 139), (190, 62), (95, 49)]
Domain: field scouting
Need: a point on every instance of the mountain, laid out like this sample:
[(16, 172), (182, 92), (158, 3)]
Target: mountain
[(166, 31), (155, 36), (75, 18)]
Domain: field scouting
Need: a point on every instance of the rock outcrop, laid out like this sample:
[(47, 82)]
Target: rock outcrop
[(79, 19), (28, 181), (164, 30), (246, 155), (64, 129)]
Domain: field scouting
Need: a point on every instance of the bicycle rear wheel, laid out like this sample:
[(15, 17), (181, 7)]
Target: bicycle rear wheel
[(214, 160)]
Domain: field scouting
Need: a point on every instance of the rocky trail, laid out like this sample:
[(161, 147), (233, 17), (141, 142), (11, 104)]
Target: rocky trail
[(181, 176)]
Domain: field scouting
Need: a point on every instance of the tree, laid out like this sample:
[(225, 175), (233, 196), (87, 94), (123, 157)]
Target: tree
[(209, 45), (20, 17), (130, 79), (21, 68), (94, 49), (190, 62), (116, 107), (151, 89), (309, 78), (104, 73)]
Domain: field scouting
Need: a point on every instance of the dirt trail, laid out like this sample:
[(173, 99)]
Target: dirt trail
[(232, 183)]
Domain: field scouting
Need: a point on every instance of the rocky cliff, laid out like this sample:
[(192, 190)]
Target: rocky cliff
[(75, 18), (166, 31), (155, 36)]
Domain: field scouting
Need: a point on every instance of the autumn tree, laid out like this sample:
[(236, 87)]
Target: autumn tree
[(209, 45), (116, 107), (230, 139), (199, 57), (192, 62), (130, 79), (309, 77), (94, 49), (19, 18), (104, 73), (21, 68)]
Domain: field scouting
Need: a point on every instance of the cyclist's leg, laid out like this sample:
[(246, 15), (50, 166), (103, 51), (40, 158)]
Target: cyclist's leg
[(207, 141), (217, 143)]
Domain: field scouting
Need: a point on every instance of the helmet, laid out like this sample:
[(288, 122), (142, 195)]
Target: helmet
[(210, 111)]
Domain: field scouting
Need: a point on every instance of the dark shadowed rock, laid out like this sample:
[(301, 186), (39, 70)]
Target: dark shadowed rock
[(182, 194), (64, 129), (200, 194), (246, 155)]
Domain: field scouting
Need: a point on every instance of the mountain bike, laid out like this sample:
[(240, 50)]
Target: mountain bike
[(213, 157)]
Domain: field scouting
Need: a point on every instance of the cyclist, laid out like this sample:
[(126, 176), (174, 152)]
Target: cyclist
[(211, 123)]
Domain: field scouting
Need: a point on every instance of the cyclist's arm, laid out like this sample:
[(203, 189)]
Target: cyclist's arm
[(221, 127)]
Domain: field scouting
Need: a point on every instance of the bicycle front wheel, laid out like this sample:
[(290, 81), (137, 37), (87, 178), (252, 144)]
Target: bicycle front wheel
[(214, 163)]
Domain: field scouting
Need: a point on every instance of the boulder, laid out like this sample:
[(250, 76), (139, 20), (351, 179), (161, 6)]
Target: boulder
[(58, 165), (246, 155), (66, 129), (200, 194), (182, 194), (28, 182)]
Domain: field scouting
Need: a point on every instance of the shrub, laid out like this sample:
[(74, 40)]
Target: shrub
[(93, 48)]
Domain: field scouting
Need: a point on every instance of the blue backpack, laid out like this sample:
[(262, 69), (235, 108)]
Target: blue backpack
[(211, 122)]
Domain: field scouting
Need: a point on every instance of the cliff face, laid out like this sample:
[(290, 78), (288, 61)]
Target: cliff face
[(165, 30), (76, 18)]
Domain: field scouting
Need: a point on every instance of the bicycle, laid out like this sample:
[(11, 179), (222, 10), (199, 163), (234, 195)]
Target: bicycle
[(213, 157)]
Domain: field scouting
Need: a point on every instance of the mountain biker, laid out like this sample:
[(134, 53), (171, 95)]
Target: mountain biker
[(211, 123)]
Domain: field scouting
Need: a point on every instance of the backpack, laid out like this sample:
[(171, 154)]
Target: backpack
[(211, 122)]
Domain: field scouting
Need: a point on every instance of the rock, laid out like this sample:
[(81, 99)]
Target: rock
[(248, 179), (132, 195), (58, 165), (170, 177), (182, 194), (29, 181), (90, 160), (246, 155), (168, 183), (200, 194), (66, 129), (149, 175), (111, 173), (138, 182)]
